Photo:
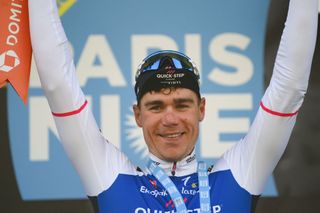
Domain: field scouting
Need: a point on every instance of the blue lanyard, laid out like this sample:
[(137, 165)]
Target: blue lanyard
[(204, 187), (175, 194)]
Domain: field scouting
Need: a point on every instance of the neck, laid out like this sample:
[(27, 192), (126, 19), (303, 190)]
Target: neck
[(186, 166)]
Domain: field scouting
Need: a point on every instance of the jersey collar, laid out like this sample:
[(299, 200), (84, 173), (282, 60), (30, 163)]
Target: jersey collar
[(186, 166)]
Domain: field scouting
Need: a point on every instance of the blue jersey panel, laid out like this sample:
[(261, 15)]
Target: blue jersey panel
[(144, 194)]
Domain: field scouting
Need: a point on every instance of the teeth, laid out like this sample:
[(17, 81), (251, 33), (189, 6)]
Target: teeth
[(172, 135)]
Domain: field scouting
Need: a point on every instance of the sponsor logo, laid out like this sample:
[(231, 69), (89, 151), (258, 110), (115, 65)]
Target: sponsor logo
[(154, 193), (170, 69), (171, 82), (170, 75), (14, 27), (186, 180), (190, 159), (185, 191), (215, 209), (9, 60)]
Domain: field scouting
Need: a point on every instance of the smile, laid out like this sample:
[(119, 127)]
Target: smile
[(171, 135)]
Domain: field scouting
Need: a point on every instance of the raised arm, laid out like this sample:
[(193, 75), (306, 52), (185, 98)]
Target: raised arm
[(292, 67), (254, 158), (94, 158), (53, 58)]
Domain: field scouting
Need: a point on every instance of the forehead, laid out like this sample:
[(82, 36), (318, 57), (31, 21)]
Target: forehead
[(169, 94)]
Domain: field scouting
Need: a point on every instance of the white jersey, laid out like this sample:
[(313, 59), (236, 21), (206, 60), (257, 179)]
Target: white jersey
[(239, 175)]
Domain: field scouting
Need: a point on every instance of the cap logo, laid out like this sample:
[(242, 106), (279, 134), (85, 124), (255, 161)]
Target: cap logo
[(170, 69), (170, 74)]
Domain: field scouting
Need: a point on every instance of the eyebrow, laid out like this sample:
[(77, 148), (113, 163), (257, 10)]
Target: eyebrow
[(183, 100), (176, 101), (152, 103)]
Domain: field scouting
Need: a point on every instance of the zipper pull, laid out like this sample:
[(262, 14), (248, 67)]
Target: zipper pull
[(174, 167)]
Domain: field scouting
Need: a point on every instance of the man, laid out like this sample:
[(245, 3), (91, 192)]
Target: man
[(169, 109)]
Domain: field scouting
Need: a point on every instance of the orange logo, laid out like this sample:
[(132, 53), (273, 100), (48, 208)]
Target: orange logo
[(15, 46), (8, 61)]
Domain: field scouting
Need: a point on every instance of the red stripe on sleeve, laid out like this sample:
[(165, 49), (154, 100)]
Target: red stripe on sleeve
[(277, 113), (77, 111)]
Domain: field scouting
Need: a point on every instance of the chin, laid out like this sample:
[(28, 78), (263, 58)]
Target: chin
[(173, 158)]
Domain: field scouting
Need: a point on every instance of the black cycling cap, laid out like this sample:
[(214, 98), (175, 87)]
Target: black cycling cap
[(166, 69)]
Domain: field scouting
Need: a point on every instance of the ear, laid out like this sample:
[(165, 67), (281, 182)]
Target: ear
[(202, 109), (137, 114)]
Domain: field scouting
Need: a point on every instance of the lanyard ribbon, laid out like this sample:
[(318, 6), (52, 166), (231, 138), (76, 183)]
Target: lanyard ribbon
[(175, 195)]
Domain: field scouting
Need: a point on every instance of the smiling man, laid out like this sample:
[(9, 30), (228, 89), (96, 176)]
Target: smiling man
[(170, 122), (169, 110), (169, 105)]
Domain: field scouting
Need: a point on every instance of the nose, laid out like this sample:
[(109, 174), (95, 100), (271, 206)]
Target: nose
[(170, 118)]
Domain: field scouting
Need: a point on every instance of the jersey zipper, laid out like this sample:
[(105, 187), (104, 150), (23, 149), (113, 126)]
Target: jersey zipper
[(174, 167)]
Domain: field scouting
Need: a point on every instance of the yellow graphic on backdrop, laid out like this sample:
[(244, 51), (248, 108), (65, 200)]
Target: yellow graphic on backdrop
[(65, 5)]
